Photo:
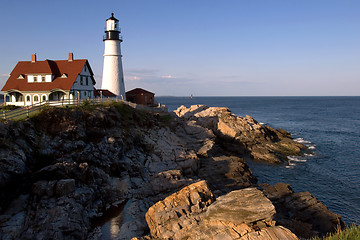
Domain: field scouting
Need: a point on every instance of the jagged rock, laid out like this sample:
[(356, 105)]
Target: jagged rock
[(301, 212), (177, 211), (260, 142), (165, 182), (226, 173), (232, 216), (65, 187)]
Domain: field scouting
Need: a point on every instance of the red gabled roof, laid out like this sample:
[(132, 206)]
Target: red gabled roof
[(71, 68), (138, 90)]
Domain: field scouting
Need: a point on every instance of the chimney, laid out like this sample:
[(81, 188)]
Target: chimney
[(71, 57), (33, 58)]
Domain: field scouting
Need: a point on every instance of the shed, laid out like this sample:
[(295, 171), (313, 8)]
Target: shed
[(140, 96)]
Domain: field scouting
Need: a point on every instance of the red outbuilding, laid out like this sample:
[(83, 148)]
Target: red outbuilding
[(140, 96)]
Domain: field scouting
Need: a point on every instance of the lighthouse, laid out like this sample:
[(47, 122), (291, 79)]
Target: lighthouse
[(113, 77)]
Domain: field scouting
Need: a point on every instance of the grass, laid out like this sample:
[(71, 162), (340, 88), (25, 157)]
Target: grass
[(349, 233), (165, 118), (126, 111)]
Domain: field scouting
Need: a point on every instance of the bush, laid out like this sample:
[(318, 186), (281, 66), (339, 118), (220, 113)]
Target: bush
[(349, 233), (9, 107)]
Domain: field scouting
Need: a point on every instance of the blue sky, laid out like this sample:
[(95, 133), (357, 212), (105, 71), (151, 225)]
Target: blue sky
[(200, 47)]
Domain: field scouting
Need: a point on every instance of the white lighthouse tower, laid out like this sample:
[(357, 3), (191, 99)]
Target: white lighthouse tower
[(113, 77)]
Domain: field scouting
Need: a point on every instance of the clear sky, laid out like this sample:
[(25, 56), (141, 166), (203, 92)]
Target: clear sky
[(199, 47)]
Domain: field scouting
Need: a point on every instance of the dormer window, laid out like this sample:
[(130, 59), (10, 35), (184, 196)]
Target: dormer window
[(21, 76), (64, 75), (35, 79), (43, 78)]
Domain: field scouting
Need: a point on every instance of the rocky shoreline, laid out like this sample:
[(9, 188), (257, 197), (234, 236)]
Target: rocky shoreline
[(180, 175)]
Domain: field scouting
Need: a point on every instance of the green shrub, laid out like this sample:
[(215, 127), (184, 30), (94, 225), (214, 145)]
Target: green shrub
[(9, 107), (349, 233)]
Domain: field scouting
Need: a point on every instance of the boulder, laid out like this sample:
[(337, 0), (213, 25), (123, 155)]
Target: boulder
[(65, 187), (192, 213), (247, 206), (178, 210)]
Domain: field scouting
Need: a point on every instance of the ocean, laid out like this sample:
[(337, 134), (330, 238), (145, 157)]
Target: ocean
[(330, 126)]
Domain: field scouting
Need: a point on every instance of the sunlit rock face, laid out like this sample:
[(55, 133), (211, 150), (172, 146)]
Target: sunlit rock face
[(194, 213), (243, 134)]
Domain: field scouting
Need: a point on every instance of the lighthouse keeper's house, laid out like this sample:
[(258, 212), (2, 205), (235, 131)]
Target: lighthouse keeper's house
[(35, 81)]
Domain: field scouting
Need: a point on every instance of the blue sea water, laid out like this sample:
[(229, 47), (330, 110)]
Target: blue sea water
[(330, 126)]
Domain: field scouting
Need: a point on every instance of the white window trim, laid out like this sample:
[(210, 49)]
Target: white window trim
[(36, 95)]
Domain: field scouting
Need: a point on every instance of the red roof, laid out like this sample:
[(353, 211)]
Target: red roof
[(105, 93), (138, 91), (71, 68)]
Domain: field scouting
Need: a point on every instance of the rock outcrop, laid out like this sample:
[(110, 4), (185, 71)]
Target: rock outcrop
[(301, 212), (243, 134), (63, 170), (193, 213)]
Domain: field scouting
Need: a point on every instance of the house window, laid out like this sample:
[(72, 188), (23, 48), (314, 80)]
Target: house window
[(87, 81), (84, 93), (85, 68), (81, 80), (28, 98), (36, 98), (43, 78), (35, 79), (44, 98)]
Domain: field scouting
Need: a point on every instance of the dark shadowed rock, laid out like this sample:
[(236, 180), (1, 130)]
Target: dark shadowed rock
[(65, 187), (301, 212)]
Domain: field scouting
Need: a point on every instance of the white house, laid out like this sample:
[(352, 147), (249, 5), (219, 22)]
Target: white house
[(35, 81)]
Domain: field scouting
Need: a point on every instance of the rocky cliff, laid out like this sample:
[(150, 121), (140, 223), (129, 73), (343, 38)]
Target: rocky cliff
[(178, 175)]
